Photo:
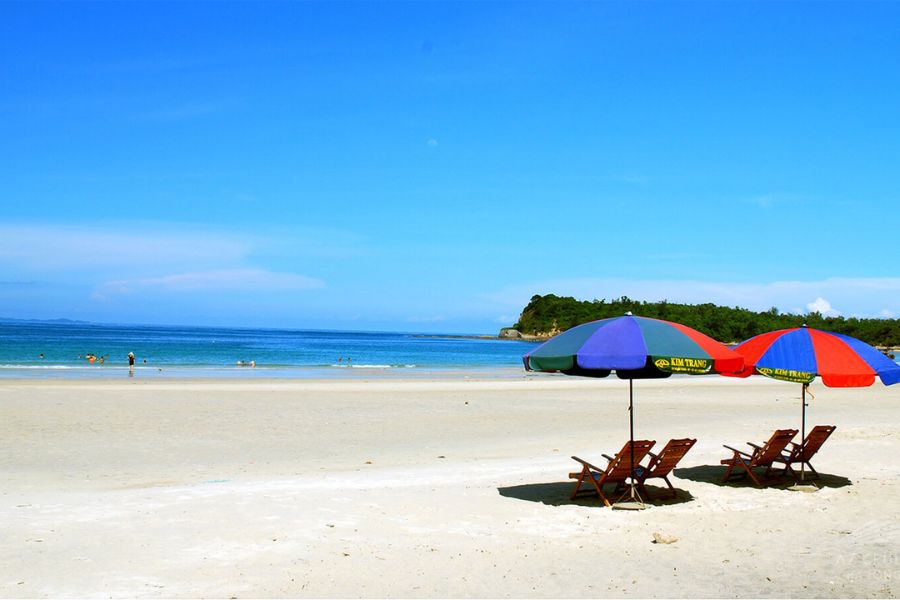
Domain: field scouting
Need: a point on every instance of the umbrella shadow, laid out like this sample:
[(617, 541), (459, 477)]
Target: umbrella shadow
[(558, 494), (713, 474)]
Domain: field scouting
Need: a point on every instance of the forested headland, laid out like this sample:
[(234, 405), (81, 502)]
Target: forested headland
[(548, 315)]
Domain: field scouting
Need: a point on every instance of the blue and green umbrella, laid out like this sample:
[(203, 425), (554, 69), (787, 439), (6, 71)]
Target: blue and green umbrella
[(634, 348)]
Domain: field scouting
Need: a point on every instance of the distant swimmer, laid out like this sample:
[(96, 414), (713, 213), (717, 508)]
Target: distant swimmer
[(252, 363), (42, 355)]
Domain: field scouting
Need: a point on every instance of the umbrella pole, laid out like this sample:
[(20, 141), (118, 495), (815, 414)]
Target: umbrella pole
[(631, 429), (635, 496), (803, 436), (636, 502)]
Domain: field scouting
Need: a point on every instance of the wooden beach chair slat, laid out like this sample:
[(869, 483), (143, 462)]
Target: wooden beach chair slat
[(802, 453), (617, 471), (662, 464), (762, 456)]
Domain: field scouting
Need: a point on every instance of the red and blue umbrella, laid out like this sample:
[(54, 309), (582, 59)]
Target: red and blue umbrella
[(801, 354), (635, 348)]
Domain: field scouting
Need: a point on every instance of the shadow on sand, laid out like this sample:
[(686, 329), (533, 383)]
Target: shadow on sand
[(713, 474), (557, 494)]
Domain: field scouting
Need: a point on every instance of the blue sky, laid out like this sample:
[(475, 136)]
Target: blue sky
[(431, 166)]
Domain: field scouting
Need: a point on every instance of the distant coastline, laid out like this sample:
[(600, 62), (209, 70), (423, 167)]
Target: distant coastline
[(450, 336), (47, 321), (546, 316)]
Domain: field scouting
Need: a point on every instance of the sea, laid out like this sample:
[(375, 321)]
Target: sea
[(63, 350)]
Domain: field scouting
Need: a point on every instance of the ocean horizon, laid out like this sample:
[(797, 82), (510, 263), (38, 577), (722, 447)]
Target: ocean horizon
[(61, 349)]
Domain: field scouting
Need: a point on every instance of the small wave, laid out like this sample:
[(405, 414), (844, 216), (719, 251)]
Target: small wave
[(364, 366), (45, 367)]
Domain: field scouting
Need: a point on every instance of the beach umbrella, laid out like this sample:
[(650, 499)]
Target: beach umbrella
[(801, 354), (635, 348)]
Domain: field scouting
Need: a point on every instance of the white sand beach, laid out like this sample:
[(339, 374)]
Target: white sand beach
[(430, 488)]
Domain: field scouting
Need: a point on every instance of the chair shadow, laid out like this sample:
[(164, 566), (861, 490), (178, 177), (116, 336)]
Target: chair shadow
[(557, 494), (713, 474)]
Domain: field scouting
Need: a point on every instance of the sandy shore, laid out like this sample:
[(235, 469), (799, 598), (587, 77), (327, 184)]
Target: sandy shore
[(429, 488)]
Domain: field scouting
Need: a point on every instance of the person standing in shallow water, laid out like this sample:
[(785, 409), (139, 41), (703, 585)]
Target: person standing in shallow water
[(131, 362)]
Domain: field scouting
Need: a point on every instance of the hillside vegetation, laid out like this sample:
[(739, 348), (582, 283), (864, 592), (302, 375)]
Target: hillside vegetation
[(550, 314)]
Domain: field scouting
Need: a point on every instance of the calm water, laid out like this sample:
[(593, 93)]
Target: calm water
[(214, 352)]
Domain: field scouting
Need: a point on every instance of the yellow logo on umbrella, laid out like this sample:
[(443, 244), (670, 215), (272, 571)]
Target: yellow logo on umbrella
[(787, 374), (681, 364)]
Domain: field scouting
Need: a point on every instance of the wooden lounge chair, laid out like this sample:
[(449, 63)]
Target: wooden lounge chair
[(801, 453), (616, 472), (762, 456), (663, 463)]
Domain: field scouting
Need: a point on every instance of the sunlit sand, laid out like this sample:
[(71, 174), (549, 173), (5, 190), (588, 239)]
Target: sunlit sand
[(430, 488)]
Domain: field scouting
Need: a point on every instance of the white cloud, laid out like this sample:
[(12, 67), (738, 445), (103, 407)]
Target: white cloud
[(887, 314), (54, 247), (860, 296), (823, 307), (216, 280), (133, 250)]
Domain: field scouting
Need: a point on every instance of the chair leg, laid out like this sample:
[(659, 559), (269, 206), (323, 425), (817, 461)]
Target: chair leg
[(603, 496), (753, 477), (749, 471), (729, 470), (816, 473), (598, 485), (787, 467), (643, 490), (584, 471), (671, 487)]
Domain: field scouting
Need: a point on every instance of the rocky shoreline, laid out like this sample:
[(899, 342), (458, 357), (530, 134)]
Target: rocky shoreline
[(508, 333)]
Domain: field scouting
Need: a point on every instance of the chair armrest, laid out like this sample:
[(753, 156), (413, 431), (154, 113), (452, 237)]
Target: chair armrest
[(736, 451), (653, 456), (794, 444), (587, 464), (608, 457), (754, 445)]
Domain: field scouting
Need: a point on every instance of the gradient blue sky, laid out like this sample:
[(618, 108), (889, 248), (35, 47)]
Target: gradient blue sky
[(430, 166)]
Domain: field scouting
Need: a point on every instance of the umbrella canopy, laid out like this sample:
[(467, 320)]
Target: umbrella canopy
[(801, 354), (635, 348)]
